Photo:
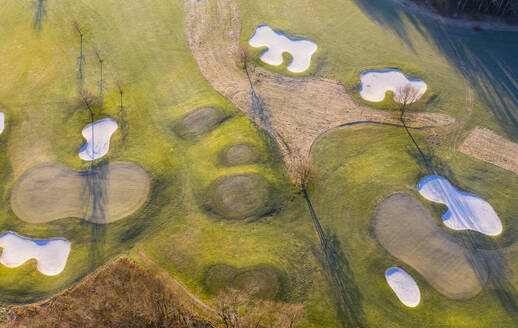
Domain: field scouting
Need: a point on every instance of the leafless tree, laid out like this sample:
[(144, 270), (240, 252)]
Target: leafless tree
[(90, 101), (81, 58), (301, 170), (101, 81), (406, 97)]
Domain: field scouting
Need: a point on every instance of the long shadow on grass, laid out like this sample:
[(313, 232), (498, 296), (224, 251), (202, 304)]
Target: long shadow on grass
[(39, 15), (348, 296), (93, 203), (486, 59)]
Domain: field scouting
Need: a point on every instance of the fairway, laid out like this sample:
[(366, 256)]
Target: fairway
[(265, 149)]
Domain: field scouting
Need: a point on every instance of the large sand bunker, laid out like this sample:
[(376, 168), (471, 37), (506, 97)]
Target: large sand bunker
[(261, 281), (49, 192), (300, 50), (374, 85), (489, 147), (199, 121), (2, 122), (294, 111), (405, 228), (97, 137), (465, 211), (240, 196), (51, 254), (404, 286)]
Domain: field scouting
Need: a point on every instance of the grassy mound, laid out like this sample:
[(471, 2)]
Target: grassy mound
[(261, 281), (199, 121), (240, 196), (239, 154), (405, 228), (105, 194)]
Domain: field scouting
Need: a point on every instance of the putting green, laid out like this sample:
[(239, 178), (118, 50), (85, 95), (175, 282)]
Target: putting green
[(405, 228), (105, 194)]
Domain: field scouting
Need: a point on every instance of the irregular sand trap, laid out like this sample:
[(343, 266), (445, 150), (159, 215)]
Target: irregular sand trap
[(404, 286), (2, 120), (374, 84), (97, 137), (300, 50), (199, 121), (405, 228), (49, 192), (465, 211), (239, 196), (51, 254), (489, 147), (294, 111)]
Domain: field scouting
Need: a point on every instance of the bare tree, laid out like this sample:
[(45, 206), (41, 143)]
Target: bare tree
[(301, 170), (81, 58), (101, 81), (238, 309), (406, 96), (90, 101)]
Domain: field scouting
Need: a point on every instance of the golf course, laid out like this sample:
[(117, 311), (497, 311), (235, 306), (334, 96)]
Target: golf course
[(284, 163)]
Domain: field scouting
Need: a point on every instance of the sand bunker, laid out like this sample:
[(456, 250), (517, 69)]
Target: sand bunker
[(374, 84), (51, 254), (199, 121), (104, 194), (465, 211), (405, 228), (2, 120), (240, 154), (261, 281), (300, 50), (97, 137), (404, 286), (240, 196)]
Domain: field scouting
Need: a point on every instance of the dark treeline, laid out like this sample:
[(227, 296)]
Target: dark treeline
[(503, 8)]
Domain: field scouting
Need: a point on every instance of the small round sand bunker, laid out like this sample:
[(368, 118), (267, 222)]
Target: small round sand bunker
[(199, 121), (49, 192), (240, 154), (405, 228), (240, 196)]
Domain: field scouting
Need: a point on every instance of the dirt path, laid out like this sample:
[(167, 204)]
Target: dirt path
[(294, 111), (174, 284)]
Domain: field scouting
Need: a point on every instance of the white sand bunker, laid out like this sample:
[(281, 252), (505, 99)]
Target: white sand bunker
[(374, 84), (465, 211), (97, 137), (2, 124), (300, 50), (404, 286), (51, 254)]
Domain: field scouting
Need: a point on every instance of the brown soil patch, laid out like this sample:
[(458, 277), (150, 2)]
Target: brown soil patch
[(294, 111), (123, 294), (489, 147), (405, 228), (199, 121), (104, 194), (240, 154), (239, 196)]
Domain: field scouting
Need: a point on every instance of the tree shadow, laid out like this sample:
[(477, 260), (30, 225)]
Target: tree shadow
[(486, 59), (39, 14)]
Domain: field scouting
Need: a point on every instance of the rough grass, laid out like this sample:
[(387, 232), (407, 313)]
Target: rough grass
[(123, 294)]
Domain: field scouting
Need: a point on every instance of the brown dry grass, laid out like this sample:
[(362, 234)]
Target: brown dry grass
[(295, 111), (123, 294), (489, 147)]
